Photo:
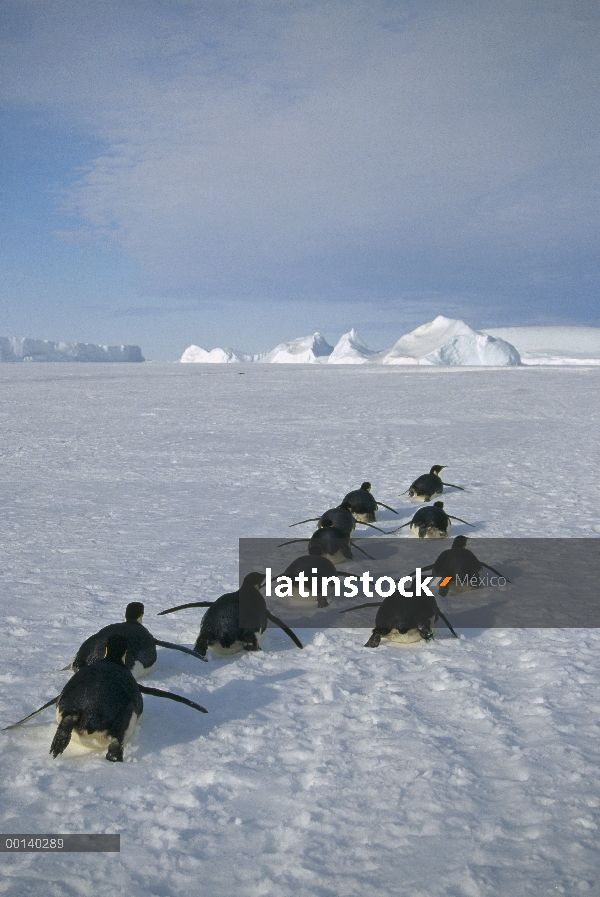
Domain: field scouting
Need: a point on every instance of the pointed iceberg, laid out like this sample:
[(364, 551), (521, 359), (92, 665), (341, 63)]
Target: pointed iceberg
[(304, 350), (350, 349)]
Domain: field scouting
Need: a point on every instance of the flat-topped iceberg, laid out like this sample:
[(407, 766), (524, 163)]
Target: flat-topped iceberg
[(445, 341), (15, 348)]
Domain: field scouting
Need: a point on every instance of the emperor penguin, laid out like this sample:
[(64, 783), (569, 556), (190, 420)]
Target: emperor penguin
[(432, 522), (220, 629), (101, 704), (404, 619), (141, 644), (429, 485), (363, 504)]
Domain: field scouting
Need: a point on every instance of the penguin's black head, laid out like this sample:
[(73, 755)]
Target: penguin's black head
[(346, 505), (436, 468), (366, 486), (253, 580), (460, 542), (438, 504), (116, 648), (134, 611)]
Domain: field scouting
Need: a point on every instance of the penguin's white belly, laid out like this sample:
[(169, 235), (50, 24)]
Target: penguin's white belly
[(406, 638), (98, 741), (364, 518), (432, 532), (219, 651), (423, 498)]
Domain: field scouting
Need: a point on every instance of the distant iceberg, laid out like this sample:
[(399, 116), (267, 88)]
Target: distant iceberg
[(304, 350), (23, 349), (445, 341), (350, 349), (196, 355), (442, 342)]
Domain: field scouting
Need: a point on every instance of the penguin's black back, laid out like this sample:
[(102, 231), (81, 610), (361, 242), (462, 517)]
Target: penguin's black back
[(103, 696), (341, 518), (140, 646), (428, 484), (361, 501), (432, 515), (329, 540), (402, 613), (456, 561), (307, 562), (223, 616)]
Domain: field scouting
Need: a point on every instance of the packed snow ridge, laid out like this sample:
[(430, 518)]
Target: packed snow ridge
[(22, 349), (444, 341)]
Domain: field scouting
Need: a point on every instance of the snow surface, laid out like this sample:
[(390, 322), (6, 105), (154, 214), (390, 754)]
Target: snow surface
[(23, 349), (465, 768), (553, 345)]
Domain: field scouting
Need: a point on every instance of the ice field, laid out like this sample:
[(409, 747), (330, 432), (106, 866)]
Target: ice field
[(461, 768)]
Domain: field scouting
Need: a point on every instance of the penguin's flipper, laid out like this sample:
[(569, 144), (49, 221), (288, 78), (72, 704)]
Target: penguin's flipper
[(375, 527), (285, 628), (308, 520), (398, 528), (292, 540), (461, 520), (381, 505), (358, 548), (405, 491), (360, 606), (447, 622), (454, 486), (35, 713), (497, 572), (159, 693), (179, 648), (172, 610)]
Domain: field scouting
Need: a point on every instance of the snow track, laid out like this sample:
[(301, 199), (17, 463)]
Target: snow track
[(463, 768)]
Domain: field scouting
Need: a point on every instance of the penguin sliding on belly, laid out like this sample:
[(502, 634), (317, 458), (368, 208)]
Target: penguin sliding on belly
[(101, 704), (363, 505), (429, 485), (311, 565), (331, 543), (341, 517), (404, 619), (432, 522), (141, 644), (220, 629), (459, 564)]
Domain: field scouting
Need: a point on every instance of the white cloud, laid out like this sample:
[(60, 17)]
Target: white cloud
[(247, 141)]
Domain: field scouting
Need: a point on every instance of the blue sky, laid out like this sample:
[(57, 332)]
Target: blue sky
[(226, 173)]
